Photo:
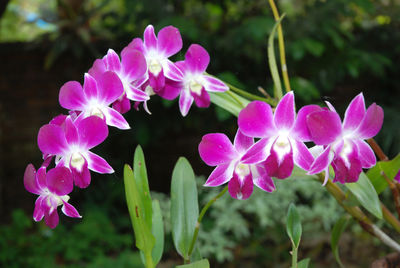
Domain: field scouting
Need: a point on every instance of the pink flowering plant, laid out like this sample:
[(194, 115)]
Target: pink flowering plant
[(273, 140)]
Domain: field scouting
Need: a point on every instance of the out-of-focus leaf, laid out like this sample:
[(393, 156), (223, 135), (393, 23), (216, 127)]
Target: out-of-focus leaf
[(303, 263), (337, 231), (366, 195), (158, 232), (272, 61), (314, 47), (305, 90), (230, 102), (184, 206), (390, 169), (293, 225), (198, 264)]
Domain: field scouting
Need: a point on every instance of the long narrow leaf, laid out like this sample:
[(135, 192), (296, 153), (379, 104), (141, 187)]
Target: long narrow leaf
[(158, 232), (337, 231), (293, 225), (230, 102), (272, 61)]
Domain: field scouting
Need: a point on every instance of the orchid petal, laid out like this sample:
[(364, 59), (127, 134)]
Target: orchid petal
[(256, 120), (279, 168), (71, 96), (90, 87), (285, 114), (157, 82), (41, 177), (300, 130), (60, 181), (355, 112), (52, 219), (112, 61), (150, 39), (51, 140), (365, 154), (110, 87), (171, 89), (257, 152), (169, 41), (371, 123), (92, 131), (134, 64), (30, 182), (115, 119), (240, 188), (122, 105), (81, 174), (216, 149), (71, 133), (171, 71), (202, 100), (136, 43), (301, 155), (70, 210), (136, 94), (330, 106), (261, 178), (98, 164), (322, 162), (97, 69), (197, 59), (185, 101), (38, 212), (213, 84), (325, 126), (242, 142), (220, 175)]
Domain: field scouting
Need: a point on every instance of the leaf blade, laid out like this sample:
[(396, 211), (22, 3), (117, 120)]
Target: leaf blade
[(293, 225), (337, 231), (272, 61), (198, 264)]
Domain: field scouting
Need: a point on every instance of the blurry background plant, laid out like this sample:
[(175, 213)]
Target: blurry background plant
[(334, 49)]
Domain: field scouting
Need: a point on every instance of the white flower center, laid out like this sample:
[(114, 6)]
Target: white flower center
[(195, 87), (242, 170), (149, 90), (154, 66), (77, 161), (97, 112)]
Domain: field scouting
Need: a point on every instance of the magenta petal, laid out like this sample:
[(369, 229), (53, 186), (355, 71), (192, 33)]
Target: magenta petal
[(81, 175), (256, 120), (41, 177), (90, 87), (300, 130), (71, 96), (98, 164), (52, 219), (136, 43), (115, 119), (257, 152), (122, 105), (371, 123), (197, 59), (30, 180), (216, 149), (301, 155), (97, 69), (322, 162), (240, 188), (285, 113), (242, 142), (169, 41), (345, 174), (71, 133), (150, 39), (136, 94), (171, 89), (220, 175), (109, 87), (185, 101), (325, 126), (38, 212), (171, 71), (59, 181), (354, 113), (202, 100), (214, 85), (112, 61), (70, 211), (134, 64), (51, 139), (261, 178), (365, 154), (279, 168), (157, 82), (92, 131)]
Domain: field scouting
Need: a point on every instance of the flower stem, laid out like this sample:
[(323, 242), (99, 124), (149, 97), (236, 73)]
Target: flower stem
[(199, 219), (294, 257), (377, 149), (250, 96), (281, 47), (149, 260)]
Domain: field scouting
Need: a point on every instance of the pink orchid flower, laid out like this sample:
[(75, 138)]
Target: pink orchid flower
[(53, 189), (343, 146), (217, 150), (70, 144), (282, 136), (131, 70), (95, 98), (157, 50)]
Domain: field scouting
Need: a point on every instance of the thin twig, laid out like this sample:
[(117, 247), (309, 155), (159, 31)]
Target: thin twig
[(265, 93), (377, 149)]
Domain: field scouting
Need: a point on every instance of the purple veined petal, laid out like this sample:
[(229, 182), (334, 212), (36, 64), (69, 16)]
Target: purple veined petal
[(285, 114), (109, 87), (242, 142), (30, 180), (220, 175), (150, 39), (330, 106), (202, 100), (112, 61), (122, 105), (52, 219), (216, 149), (115, 119), (38, 212), (371, 123), (325, 126), (136, 94), (256, 120), (355, 112), (90, 87), (345, 173), (365, 154), (157, 82), (171, 89), (279, 168), (181, 65), (171, 71), (59, 181), (261, 178), (322, 162), (141, 81), (71, 96), (41, 177), (258, 152), (80, 171), (136, 43), (169, 41), (134, 64), (92, 131), (71, 133), (301, 155), (51, 140), (70, 210), (97, 69), (300, 130), (214, 85), (185, 101), (98, 164), (240, 188), (197, 59)]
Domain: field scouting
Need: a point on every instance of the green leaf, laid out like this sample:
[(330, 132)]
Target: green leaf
[(144, 239), (303, 263), (140, 175), (184, 206), (272, 61), (293, 225), (366, 195), (229, 101), (158, 232), (389, 168), (198, 264), (337, 231)]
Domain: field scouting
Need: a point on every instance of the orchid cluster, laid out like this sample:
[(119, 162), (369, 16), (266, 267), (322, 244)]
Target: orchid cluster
[(282, 136), (143, 69)]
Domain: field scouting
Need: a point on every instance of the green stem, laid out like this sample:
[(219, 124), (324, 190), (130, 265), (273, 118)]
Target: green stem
[(294, 257), (149, 260), (199, 219), (249, 95), (235, 98)]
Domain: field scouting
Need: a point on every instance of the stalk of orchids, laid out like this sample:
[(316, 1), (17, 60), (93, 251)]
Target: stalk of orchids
[(270, 142)]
